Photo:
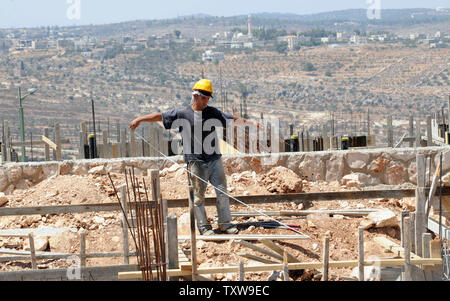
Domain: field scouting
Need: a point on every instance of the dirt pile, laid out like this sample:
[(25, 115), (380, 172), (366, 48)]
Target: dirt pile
[(281, 180)]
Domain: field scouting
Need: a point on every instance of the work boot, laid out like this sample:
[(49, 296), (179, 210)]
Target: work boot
[(230, 230), (207, 232)]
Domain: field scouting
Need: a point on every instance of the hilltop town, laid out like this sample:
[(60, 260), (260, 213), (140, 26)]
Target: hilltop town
[(297, 70)]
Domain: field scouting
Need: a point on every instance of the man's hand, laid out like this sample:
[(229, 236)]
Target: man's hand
[(134, 124)]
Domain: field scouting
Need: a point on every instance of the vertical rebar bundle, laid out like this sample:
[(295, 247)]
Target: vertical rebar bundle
[(147, 227)]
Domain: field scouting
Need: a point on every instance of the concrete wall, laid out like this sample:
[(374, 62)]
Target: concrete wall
[(369, 166)]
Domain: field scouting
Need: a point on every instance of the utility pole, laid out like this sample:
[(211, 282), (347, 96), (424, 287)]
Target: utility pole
[(22, 122), (93, 122)]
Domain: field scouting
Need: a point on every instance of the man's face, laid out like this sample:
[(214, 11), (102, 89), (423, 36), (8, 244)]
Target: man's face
[(201, 101)]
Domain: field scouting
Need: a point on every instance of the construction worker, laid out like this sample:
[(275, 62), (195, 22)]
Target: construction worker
[(200, 152)]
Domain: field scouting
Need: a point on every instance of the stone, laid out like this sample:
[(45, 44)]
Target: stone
[(357, 160), (235, 164), (98, 220), (380, 219), (65, 168), (29, 171), (402, 155), (256, 165), (395, 174), (40, 244), (334, 168), (358, 179), (312, 167), (23, 184), (3, 199), (4, 182), (115, 167), (412, 172), (14, 174), (378, 165), (445, 161), (49, 170), (80, 168), (64, 242), (98, 170), (184, 225)]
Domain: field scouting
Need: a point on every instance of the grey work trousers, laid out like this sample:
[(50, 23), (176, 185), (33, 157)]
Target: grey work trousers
[(214, 173)]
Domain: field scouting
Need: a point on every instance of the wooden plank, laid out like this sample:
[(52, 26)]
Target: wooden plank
[(393, 247), (241, 271), (426, 240), (25, 255), (432, 191), (49, 142), (125, 242), (311, 196), (348, 212), (408, 239), (429, 132), (420, 226), (58, 142), (389, 262), (192, 235), (83, 248), (255, 199), (222, 237), (11, 211), (32, 251), (270, 244), (285, 267), (38, 142), (361, 253), (256, 258), (87, 273), (47, 231), (132, 144), (172, 243), (390, 135), (259, 249), (326, 258), (46, 147), (105, 153), (412, 229), (433, 225)]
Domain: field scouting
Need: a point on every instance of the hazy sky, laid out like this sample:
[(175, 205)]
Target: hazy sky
[(32, 13)]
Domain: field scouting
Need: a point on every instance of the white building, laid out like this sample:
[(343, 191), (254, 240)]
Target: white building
[(210, 56)]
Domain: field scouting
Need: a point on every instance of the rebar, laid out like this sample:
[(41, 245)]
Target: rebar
[(147, 227)]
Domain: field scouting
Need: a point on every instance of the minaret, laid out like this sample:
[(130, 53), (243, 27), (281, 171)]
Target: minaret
[(249, 26)]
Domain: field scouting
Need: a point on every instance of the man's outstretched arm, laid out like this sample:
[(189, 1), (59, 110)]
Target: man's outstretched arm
[(154, 117)]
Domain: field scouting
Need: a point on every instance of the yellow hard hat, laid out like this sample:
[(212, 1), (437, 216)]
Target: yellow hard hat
[(205, 86)]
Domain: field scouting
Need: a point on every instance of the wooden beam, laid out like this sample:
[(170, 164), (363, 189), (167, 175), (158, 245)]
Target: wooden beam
[(326, 258), (393, 247), (270, 244), (256, 258), (384, 262), (32, 251), (361, 253), (38, 142), (348, 212), (259, 249), (177, 203), (223, 237), (86, 273), (408, 239), (49, 142)]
